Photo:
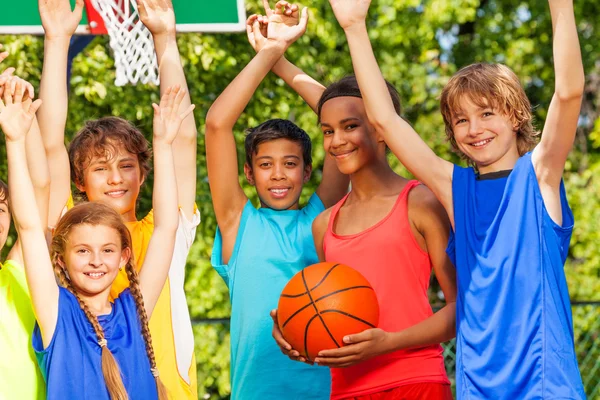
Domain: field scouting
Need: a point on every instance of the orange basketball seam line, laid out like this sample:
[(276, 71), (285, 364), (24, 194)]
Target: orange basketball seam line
[(318, 313), (321, 298), (292, 296), (349, 315)]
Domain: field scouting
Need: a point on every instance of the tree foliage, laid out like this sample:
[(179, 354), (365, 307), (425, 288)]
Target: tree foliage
[(419, 43)]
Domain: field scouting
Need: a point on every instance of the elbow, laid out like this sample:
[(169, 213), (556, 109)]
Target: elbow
[(573, 91), (383, 121), (213, 122)]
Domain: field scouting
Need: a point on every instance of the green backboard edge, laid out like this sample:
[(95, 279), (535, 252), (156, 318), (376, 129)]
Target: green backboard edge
[(238, 26)]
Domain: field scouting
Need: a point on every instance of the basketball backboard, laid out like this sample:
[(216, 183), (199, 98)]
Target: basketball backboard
[(22, 17)]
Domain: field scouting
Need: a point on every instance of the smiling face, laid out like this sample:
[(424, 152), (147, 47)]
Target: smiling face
[(92, 257), (278, 172), (485, 135), (347, 134), (115, 181)]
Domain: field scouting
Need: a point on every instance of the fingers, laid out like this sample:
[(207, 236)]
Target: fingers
[(142, 11), (267, 7), (303, 19), (188, 111), (18, 92), (256, 29), (7, 72), (278, 336), (249, 31), (78, 11), (156, 110), (34, 107)]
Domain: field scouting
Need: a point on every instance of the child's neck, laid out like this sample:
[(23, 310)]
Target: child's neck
[(97, 304), (507, 162), (373, 179)]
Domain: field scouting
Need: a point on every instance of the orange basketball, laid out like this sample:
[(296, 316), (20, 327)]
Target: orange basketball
[(323, 303)]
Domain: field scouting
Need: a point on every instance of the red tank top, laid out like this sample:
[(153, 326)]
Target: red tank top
[(388, 255)]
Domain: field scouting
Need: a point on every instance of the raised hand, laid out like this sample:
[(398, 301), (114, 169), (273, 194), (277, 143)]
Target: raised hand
[(58, 19), (9, 81), (350, 13), (16, 115), (256, 31), (167, 118), (157, 15), (257, 34), (284, 25)]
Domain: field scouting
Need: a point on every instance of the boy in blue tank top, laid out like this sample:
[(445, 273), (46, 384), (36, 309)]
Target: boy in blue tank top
[(257, 251), (511, 220)]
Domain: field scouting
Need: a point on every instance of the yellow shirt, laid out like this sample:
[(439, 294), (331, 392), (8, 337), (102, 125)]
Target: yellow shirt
[(170, 324), (20, 376)]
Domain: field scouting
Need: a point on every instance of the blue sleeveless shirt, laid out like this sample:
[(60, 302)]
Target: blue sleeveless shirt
[(270, 248), (514, 324), (71, 364)]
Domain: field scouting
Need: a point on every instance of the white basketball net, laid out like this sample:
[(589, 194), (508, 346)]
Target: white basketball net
[(130, 41)]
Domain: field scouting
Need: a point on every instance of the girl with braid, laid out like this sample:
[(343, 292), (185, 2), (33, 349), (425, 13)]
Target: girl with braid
[(87, 345)]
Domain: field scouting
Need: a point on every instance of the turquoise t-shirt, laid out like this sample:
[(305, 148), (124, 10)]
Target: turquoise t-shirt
[(271, 247), (20, 377)]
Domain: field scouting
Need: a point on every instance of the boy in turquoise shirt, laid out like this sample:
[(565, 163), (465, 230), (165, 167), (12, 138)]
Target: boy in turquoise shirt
[(257, 251)]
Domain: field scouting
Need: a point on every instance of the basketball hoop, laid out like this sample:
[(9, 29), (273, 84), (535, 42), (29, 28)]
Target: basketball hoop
[(130, 40)]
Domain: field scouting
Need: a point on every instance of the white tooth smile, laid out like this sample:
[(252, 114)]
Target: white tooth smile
[(95, 274), (116, 193), (279, 191), (481, 142)]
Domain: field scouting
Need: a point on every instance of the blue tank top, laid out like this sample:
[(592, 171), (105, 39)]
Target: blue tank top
[(514, 324), (270, 248), (71, 363)]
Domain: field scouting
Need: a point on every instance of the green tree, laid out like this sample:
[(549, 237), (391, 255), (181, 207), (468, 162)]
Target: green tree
[(419, 44)]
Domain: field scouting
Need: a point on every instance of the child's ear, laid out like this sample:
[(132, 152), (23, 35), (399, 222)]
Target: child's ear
[(80, 187), (307, 173), (125, 256), (249, 174)]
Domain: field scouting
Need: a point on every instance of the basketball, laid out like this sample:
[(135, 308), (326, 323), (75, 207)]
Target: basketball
[(323, 303)]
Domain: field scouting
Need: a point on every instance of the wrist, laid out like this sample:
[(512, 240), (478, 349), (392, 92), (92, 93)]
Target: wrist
[(161, 144), (274, 47), (165, 36), (57, 39), (357, 27), (17, 142)]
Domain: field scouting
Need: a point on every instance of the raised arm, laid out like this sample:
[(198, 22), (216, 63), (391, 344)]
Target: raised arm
[(167, 122), (159, 18), (36, 159), (307, 87), (59, 24), (221, 154), (334, 184), (559, 131), (40, 179), (401, 138), (16, 118)]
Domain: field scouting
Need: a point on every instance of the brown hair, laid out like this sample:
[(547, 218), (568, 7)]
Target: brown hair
[(493, 85), (3, 192), (99, 214), (101, 138), (274, 129), (348, 87)]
